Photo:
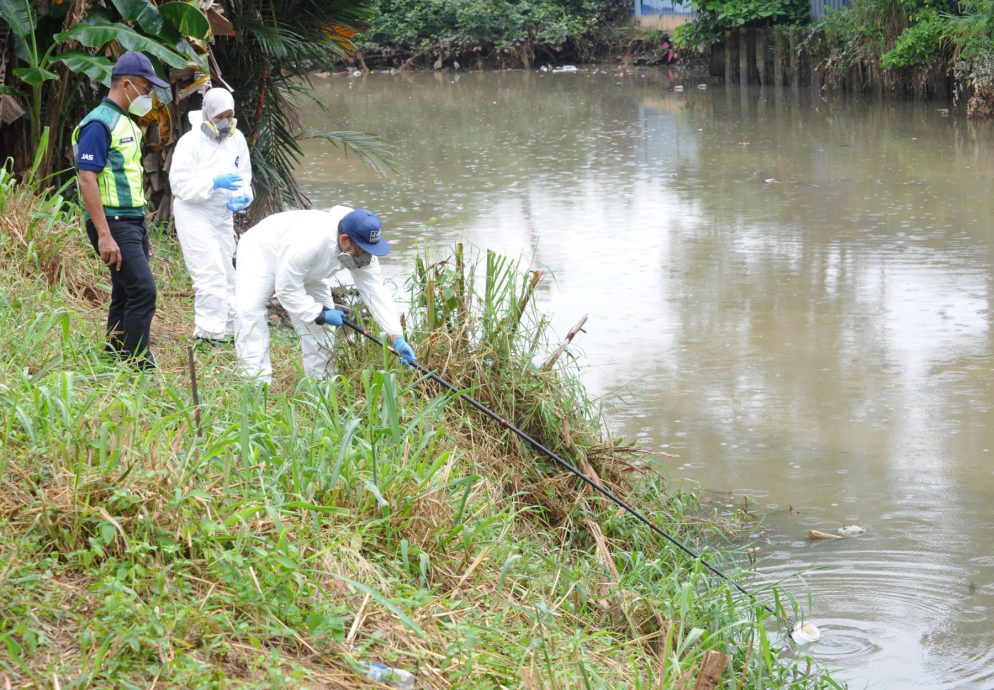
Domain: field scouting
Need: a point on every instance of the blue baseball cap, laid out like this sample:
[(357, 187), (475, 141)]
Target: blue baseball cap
[(365, 229), (135, 64)]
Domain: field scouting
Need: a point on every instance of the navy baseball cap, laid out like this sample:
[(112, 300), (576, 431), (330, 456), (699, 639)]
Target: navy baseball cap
[(134, 64), (365, 229)]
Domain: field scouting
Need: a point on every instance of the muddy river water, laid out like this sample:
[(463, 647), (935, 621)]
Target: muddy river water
[(791, 293)]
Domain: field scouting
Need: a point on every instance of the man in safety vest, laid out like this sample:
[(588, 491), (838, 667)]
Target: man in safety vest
[(107, 148)]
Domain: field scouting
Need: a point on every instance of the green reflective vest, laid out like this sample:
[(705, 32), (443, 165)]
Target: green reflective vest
[(121, 182)]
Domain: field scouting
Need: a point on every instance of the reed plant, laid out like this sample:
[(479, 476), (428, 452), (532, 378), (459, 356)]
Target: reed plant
[(286, 536)]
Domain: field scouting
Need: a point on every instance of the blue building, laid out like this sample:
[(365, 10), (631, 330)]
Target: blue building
[(663, 14), (668, 14), (819, 8)]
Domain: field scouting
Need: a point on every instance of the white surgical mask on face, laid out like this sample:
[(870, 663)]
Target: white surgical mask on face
[(141, 105)]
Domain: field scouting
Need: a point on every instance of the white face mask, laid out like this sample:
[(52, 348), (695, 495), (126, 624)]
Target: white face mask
[(141, 105)]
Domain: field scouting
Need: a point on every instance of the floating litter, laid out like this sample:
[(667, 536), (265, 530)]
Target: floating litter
[(814, 535), (851, 531), (805, 634)]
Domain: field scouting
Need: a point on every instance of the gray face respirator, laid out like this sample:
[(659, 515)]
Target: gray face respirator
[(219, 130), (354, 263)]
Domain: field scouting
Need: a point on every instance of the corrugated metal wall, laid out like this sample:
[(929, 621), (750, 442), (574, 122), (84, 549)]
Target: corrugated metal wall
[(649, 8), (819, 8)]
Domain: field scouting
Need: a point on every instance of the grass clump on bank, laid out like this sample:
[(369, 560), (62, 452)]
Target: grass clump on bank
[(296, 533)]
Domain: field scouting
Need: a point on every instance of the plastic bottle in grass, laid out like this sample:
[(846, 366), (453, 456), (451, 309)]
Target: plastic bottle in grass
[(394, 677)]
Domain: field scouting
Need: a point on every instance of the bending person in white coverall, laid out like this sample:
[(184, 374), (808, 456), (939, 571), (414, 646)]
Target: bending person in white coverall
[(211, 177), (295, 254)]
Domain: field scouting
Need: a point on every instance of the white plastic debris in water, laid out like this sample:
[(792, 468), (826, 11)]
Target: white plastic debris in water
[(565, 68), (702, 87), (357, 73), (851, 531), (678, 87), (805, 634)]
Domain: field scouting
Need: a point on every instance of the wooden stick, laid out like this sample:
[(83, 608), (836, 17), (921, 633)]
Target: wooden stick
[(714, 665), (605, 554), (562, 348), (358, 621), (523, 302)]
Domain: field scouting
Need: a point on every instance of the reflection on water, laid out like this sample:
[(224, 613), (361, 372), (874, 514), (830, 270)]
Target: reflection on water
[(792, 294)]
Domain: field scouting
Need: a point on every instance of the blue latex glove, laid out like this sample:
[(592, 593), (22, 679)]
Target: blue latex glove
[(237, 204), (405, 351), (330, 317), (227, 181)]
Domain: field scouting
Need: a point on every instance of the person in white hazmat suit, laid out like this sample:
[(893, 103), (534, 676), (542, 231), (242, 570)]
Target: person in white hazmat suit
[(295, 254), (211, 178)]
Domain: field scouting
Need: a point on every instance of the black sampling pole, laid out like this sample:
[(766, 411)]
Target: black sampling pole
[(559, 461)]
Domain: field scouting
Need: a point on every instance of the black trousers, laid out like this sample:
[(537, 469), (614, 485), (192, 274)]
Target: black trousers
[(132, 297)]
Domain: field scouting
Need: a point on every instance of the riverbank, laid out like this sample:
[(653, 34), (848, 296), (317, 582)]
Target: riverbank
[(916, 49), (290, 536), (619, 41)]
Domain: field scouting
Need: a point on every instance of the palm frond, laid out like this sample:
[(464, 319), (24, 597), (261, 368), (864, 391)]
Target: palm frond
[(277, 43), (369, 148)]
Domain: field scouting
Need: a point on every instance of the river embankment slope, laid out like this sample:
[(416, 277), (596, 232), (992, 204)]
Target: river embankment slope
[(157, 531)]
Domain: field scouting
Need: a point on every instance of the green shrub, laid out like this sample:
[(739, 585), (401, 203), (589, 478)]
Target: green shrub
[(972, 32), (716, 16), (460, 26), (919, 44)]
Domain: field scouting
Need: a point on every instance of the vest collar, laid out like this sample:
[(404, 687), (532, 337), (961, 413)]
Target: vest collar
[(108, 102)]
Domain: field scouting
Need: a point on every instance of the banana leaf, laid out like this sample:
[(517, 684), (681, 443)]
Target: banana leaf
[(19, 16), (187, 19), (95, 67), (97, 36), (32, 76), (143, 13)]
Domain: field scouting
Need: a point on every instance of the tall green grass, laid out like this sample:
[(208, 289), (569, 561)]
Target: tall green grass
[(301, 531)]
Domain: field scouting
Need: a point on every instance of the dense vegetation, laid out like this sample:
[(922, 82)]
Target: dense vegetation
[(56, 60), (285, 537), (925, 46), (714, 17), (488, 32)]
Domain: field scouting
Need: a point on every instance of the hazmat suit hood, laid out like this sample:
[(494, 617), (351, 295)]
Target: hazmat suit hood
[(216, 101)]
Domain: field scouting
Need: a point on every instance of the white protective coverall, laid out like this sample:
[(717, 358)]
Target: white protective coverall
[(295, 255), (204, 225)]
